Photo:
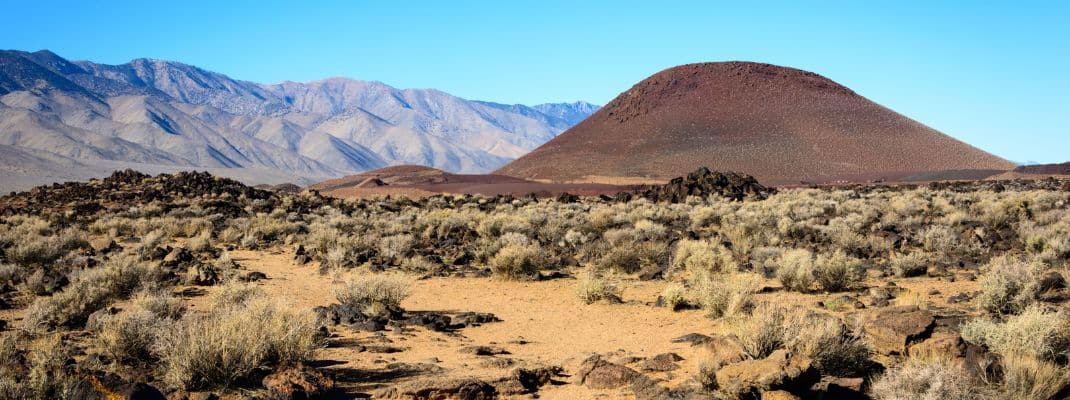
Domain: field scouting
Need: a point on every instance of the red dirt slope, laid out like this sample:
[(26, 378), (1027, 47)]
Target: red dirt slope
[(781, 125)]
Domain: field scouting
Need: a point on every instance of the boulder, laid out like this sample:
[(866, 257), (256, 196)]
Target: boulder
[(297, 383), (778, 395), (441, 389), (597, 373), (892, 330), (202, 275), (111, 387), (661, 362), (779, 371), (941, 345)]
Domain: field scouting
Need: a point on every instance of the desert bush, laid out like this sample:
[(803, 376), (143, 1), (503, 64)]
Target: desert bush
[(909, 265), (44, 250), (836, 349), (837, 272), (593, 287), (725, 295), (675, 296), (161, 304), (396, 247), (89, 291), (768, 329), (795, 269), (421, 264), (234, 293), (128, 337), (49, 376), (703, 255), (1008, 285), (1035, 332), (229, 344), (1028, 378), (374, 293), (925, 380), (201, 242), (519, 261)]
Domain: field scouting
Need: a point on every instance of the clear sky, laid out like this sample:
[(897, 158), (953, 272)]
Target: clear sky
[(995, 74)]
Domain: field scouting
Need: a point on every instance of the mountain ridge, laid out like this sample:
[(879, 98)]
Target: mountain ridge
[(180, 115)]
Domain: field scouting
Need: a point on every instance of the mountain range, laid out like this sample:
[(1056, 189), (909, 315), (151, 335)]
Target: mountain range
[(63, 120), (779, 124)]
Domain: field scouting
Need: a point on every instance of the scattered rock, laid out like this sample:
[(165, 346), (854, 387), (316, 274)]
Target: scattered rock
[(252, 276), (597, 373), (1052, 280), (483, 350), (111, 387), (779, 371), (892, 330), (696, 339), (297, 383), (438, 388), (202, 275), (661, 362), (959, 298), (703, 182)]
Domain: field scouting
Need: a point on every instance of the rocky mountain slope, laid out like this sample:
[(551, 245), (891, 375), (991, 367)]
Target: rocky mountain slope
[(64, 120), (781, 125)]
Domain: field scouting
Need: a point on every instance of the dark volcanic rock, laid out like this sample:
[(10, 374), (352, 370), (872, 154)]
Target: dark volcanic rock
[(703, 182)]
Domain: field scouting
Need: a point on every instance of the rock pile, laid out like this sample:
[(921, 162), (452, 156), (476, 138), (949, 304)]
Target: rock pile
[(703, 182)]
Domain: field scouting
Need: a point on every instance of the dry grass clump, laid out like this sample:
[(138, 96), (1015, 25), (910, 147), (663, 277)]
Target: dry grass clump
[(909, 265), (593, 287), (675, 296), (89, 291), (1036, 332), (128, 337), (36, 250), (769, 328), (374, 293), (229, 344), (837, 350), (39, 368), (1029, 378), (795, 269), (519, 261), (837, 272), (916, 379), (703, 255), (726, 295)]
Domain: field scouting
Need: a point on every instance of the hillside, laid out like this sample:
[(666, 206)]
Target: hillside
[(159, 116), (781, 125)]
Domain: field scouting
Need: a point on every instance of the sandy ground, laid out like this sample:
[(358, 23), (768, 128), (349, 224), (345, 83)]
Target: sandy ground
[(555, 327)]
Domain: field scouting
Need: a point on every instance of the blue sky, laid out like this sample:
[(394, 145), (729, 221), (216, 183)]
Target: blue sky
[(994, 74)]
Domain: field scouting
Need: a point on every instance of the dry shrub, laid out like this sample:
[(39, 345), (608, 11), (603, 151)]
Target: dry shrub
[(229, 344), (235, 293), (916, 379), (768, 329), (374, 293), (519, 262), (795, 269), (726, 295), (49, 376), (836, 349), (675, 296), (1035, 332), (1008, 286), (703, 255), (1028, 378), (837, 272), (909, 265), (200, 243), (593, 287), (89, 291), (128, 336)]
